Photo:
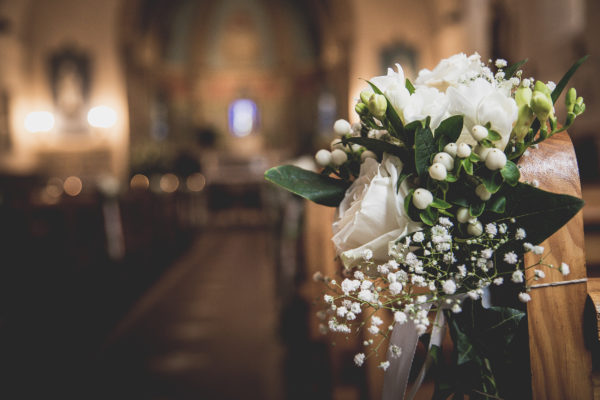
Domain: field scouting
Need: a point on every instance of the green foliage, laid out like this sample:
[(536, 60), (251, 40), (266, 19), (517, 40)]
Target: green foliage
[(312, 186), (448, 131), (409, 86), (378, 146), (512, 69), (391, 115), (510, 172), (565, 79), (424, 149)]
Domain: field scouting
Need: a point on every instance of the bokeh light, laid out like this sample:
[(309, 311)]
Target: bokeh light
[(102, 117), (39, 121), (73, 186)]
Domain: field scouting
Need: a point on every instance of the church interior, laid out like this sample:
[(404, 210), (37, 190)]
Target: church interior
[(143, 255)]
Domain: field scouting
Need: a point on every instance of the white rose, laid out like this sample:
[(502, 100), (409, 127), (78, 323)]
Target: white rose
[(371, 215), (426, 101), (481, 103), (453, 71), (393, 85)]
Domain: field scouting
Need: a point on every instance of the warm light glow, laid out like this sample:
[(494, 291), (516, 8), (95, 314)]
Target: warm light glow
[(39, 121), (102, 117), (139, 181), (169, 183), (73, 186), (54, 187), (196, 182)]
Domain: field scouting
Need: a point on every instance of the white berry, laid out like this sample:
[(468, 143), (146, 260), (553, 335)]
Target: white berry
[(462, 215), (323, 157), (367, 154), (450, 148), (479, 132), (342, 127), (482, 192), (496, 159), (338, 157), (422, 198), (438, 172), (463, 150), (445, 159), (337, 144), (475, 229), (482, 151)]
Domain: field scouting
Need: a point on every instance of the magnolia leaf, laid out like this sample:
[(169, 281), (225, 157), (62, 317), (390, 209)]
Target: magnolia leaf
[(424, 149), (390, 112), (510, 172), (409, 86), (539, 212), (565, 79), (377, 146), (512, 69), (312, 186)]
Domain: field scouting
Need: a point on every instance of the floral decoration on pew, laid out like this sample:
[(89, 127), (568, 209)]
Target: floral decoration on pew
[(431, 213)]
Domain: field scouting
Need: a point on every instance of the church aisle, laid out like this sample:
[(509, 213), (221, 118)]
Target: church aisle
[(206, 330)]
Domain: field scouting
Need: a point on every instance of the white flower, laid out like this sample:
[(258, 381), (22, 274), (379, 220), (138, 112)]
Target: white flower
[(375, 320), (564, 269), (395, 288), (393, 85), (342, 311), (384, 365), (524, 297), (418, 237), (350, 285), (487, 253), (481, 103), (359, 275), (359, 359), (501, 63), (400, 317), (520, 234), (511, 258), (371, 215), (395, 351), (539, 274), (499, 281), (538, 250), (350, 316), (491, 230), (453, 71), (328, 299), (426, 102), (517, 276), (449, 286), (366, 295), (373, 330), (456, 308)]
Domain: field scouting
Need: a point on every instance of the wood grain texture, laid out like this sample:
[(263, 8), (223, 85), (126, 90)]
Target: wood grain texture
[(561, 365)]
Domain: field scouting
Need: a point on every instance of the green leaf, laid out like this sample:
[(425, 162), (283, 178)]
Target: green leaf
[(476, 209), (539, 212), (512, 69), (565, 79), (390, 112), (493, 136), (403, 176), (378, 146), (467, 165), (439, 203), (312, 186), (409, 87), (448, 131), (451, 177), (413, 126), (429, 216), (491, 179), (424, 149), (497, 204), (474, 157), (510, 172)]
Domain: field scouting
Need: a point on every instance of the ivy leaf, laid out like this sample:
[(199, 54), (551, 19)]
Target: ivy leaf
[(378, 146), (424, 148), (539, 212), (409, 86), (491, 179), (390, 112), (512, 69), (476, 209), (312, 186), (510, 172), (498, 204)]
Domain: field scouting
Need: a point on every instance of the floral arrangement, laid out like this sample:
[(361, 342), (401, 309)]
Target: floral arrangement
[(432, 217)]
